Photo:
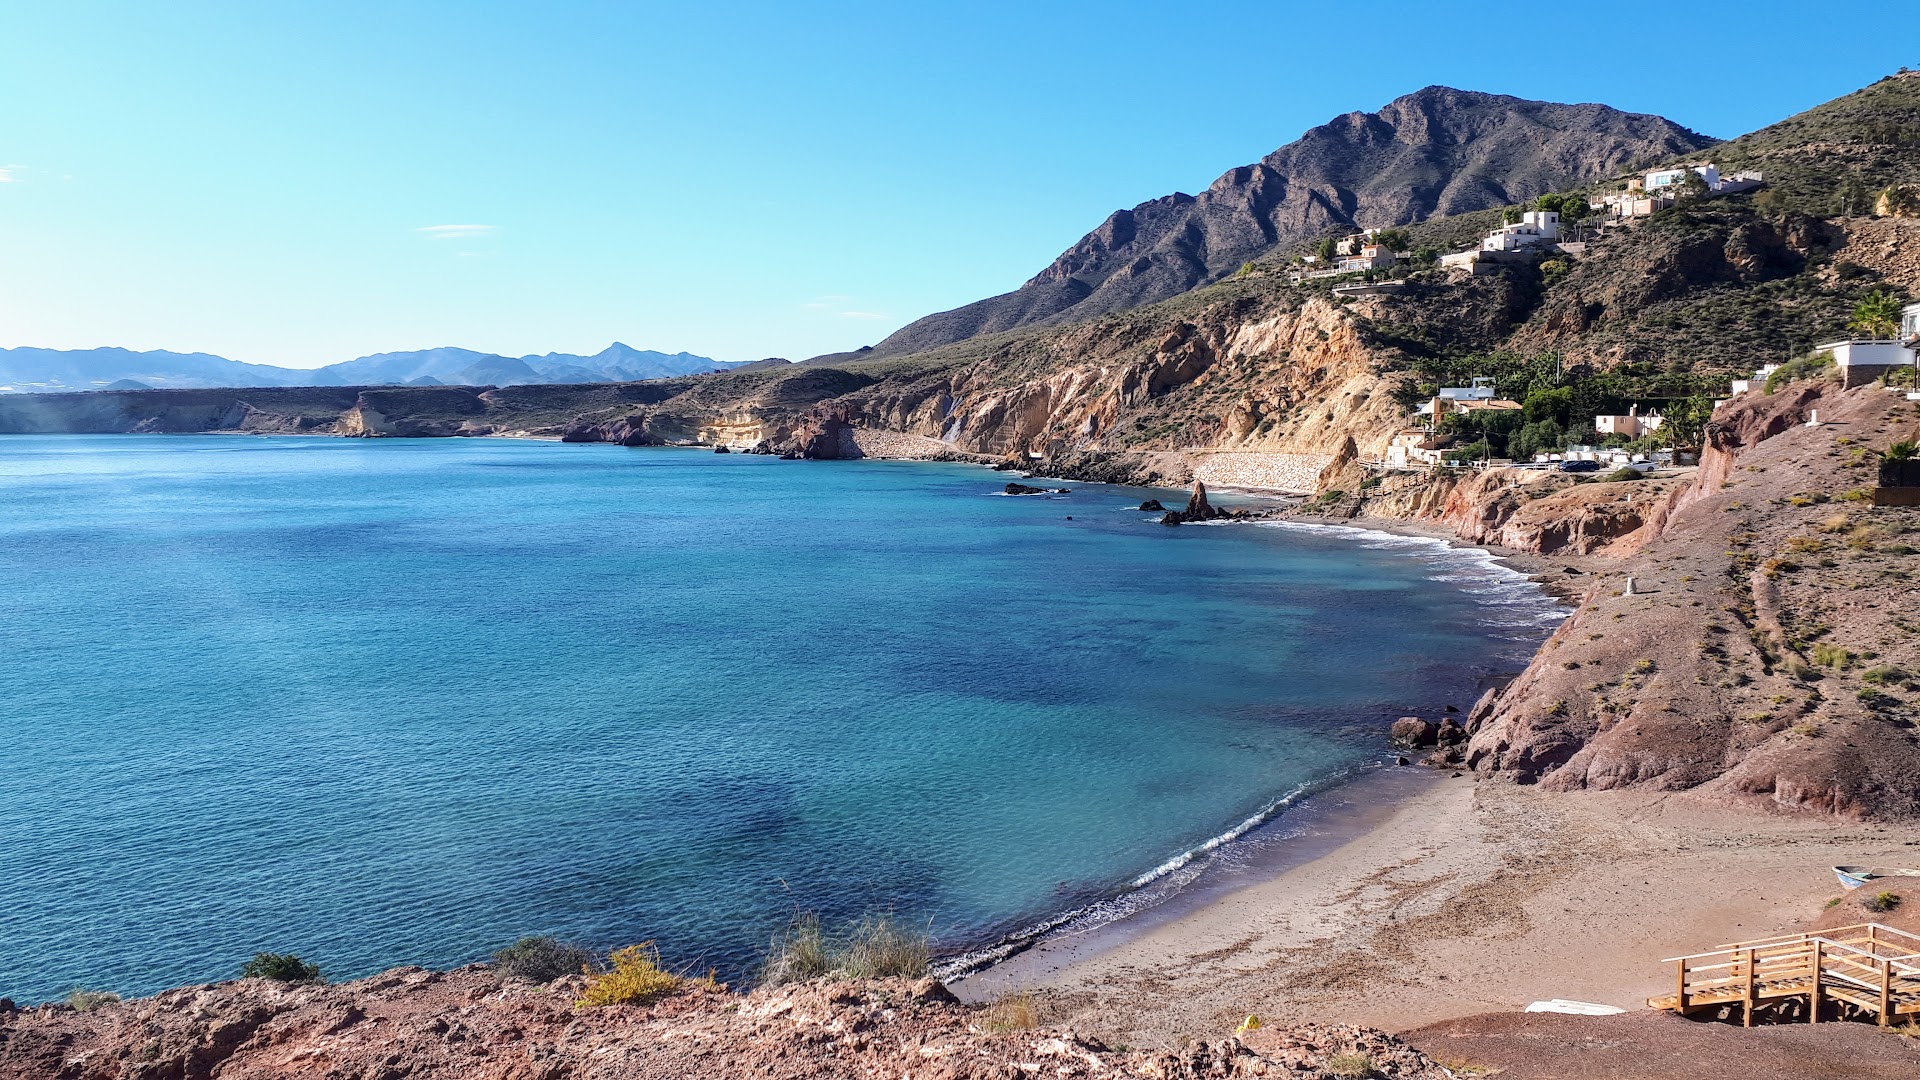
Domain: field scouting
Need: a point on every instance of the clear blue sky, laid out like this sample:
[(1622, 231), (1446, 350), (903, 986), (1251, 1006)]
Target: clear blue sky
[(740, 180)]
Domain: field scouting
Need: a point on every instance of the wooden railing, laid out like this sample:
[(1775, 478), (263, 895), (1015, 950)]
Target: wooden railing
[(1868, 966)]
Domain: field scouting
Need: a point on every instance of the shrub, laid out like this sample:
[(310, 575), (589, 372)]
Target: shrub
[(880, 950), (1015, 1012), (1620, 474), (798, 953), (1833, 656), (83, 1000), (636, 979), (1806, 367), (541, 960), (1473, 451), (875, 948), (280, 967), (1350, 1066), (1881, 902), (1904, 450), (1885, 674)]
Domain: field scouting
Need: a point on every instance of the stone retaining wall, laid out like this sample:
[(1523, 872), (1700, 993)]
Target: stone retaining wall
[(866, 442), (1261, 470)]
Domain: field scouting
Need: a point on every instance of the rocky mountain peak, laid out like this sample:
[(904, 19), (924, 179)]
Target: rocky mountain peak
[(1438, 150)]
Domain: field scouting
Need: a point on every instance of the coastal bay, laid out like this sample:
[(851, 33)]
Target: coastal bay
[(512, 699)]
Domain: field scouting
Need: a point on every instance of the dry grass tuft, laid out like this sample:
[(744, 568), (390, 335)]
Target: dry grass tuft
[(876, 948), (1015, 1012)]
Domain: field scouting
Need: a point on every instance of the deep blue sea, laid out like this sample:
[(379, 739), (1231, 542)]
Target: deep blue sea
[(404, 701)]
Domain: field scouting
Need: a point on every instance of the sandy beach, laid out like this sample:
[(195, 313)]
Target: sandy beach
[(1464, 897)]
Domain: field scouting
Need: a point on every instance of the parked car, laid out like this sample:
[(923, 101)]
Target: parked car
[(1579, 466)]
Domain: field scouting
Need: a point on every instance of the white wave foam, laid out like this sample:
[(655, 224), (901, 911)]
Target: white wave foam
[(1170, 875), (1475, 571)]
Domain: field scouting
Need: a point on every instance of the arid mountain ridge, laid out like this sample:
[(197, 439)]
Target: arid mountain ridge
[(1432, 153)]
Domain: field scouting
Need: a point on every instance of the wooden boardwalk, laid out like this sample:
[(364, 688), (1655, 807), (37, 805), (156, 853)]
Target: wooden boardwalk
[(1864, 971)]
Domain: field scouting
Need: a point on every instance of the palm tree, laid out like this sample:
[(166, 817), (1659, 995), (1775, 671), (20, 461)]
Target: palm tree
[(1877, 315)]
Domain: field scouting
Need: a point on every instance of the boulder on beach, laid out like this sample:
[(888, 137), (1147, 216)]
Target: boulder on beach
[(1411, 733), (722, 450)]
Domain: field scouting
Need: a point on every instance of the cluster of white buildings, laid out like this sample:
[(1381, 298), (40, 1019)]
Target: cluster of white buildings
[(1351, 255), (1537, 231), (1422, 446), (1654, 191)]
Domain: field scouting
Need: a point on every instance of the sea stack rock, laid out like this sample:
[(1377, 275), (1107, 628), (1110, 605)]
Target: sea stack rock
[(1152, 506), (1198, 509), (722, 450), (1023, 489)]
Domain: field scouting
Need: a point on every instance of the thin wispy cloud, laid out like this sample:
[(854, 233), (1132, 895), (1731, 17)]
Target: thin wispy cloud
[(10, 174), (456, 232)]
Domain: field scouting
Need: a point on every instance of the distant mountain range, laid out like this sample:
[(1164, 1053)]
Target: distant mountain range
[(29, 370), (1434, 152)]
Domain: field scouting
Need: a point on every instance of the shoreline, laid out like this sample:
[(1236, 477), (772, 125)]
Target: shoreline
[(1464, 898)]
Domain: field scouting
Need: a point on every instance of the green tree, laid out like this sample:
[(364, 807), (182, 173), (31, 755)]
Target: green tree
[(1325, 250), (1394, 240), (1540, 437), (1549, 201), (1686, 421), (1511, 215), (1692, 187), (1544, 404), (1877, 315), (1573, 207)]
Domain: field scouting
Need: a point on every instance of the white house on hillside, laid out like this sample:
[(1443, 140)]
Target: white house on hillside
[(1536, 227), (1660, 178), (1633, 425), (1909, 324), (1861, 362)]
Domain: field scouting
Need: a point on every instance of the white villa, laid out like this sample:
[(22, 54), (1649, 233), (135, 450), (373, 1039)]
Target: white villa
[(1535, 228), (1536, 231), (1861, 362), (1633, 425)]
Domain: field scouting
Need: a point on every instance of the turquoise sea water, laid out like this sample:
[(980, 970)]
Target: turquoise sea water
[(398, 701)]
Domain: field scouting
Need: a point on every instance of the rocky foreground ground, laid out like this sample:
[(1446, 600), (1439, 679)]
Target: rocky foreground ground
[(467, 1023)]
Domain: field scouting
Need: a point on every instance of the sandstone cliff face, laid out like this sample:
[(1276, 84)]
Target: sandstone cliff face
[(1763, 654), (1293, 380)]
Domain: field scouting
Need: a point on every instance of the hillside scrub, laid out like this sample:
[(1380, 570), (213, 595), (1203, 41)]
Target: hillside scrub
[(873, 948)]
